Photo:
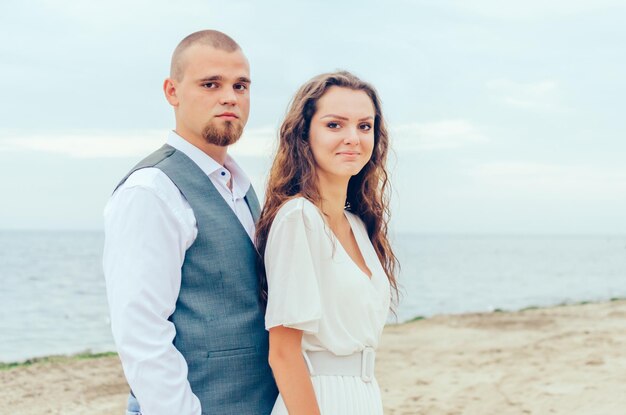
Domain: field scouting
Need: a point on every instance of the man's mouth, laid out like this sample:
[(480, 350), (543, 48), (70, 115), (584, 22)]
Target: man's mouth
[(228, 116)]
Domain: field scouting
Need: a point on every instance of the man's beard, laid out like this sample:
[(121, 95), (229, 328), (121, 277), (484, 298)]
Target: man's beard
[(222, 136)]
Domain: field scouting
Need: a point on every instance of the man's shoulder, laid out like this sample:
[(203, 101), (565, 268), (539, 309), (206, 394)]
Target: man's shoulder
[(149, 179), (149, 188)]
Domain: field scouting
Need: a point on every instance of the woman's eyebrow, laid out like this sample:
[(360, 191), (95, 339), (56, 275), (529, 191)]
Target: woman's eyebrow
[(344, 118)]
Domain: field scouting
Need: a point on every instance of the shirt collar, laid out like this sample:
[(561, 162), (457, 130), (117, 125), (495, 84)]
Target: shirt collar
[(241, 181), (207, 164)]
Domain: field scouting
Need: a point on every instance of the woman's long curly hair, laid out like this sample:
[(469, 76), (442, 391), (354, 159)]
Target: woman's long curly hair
[(293, 173)]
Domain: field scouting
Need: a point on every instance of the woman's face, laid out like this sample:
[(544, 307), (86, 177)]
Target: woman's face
[(341, 135)]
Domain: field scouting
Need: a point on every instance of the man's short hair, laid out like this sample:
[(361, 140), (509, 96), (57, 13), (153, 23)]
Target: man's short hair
[(212, 38)]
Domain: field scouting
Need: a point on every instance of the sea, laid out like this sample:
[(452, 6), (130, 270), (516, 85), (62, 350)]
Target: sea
[(53, 299)]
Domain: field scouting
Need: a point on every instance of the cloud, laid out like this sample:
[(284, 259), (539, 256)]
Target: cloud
[(86, 144), (256, 142), (536, 96), (531, 9), (436, 135), (552, 180)]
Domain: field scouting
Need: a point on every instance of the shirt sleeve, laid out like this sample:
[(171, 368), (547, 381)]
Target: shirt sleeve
[(145, 244), (293, 288)]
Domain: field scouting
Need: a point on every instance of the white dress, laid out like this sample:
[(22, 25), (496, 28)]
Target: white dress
[(314, 286)]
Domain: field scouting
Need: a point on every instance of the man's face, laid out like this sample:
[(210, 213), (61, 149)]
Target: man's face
[(212, 99)]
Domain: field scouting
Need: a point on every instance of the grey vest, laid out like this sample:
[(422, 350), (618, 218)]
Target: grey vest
[(219, 323)]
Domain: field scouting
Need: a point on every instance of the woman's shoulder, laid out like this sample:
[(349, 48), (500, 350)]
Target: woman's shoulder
[(298, 208)]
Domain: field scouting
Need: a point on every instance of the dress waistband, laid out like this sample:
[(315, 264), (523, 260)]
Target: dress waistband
[(325, 363)]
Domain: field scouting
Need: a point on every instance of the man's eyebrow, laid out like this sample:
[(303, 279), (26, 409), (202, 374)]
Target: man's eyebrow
[(221, 78), (344, 118), (211, 78)]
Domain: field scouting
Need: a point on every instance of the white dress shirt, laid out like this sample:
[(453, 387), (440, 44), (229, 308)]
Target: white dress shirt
[(149, 226)]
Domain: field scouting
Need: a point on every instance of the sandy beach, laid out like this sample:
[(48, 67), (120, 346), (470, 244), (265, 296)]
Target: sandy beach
[(560, 360)]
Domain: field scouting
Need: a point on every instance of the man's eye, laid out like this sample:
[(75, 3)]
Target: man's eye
[(333, 125), (210, 85), (240, 87), (365, 127)]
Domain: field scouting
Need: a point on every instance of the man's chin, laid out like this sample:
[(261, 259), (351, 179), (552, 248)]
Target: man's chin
[(224, 136), (225, 142)]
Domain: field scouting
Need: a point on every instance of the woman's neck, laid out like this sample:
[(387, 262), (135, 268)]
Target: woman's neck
[(333, 192)]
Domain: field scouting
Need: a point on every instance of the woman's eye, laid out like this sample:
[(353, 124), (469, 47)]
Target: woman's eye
[(333, 125), (365, 127)]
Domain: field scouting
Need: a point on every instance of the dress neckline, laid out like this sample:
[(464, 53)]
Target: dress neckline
[(358, 245), (357, 239)]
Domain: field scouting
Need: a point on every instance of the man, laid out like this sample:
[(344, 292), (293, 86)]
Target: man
[(179, 258)]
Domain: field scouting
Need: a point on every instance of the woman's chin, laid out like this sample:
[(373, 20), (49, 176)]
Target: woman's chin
[(344, 173)]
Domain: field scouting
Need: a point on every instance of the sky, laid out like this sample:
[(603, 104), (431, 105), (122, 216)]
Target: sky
[(505, 117)]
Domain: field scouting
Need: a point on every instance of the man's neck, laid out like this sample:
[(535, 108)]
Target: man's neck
[(217, 153)]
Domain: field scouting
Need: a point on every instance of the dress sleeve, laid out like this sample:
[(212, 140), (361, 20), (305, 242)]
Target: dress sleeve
[(293, 289)]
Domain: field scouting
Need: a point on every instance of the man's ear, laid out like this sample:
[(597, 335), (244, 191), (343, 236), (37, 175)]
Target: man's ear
[(169, 88)]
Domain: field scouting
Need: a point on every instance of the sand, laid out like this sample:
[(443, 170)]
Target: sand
[(561, 360)]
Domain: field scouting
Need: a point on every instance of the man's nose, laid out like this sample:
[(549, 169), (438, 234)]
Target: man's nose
[(228, 97)]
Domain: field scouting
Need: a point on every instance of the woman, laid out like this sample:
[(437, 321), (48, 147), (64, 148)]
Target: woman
[(327, 269)]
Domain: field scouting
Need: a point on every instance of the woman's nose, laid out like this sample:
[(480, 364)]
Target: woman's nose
[(352, 136)]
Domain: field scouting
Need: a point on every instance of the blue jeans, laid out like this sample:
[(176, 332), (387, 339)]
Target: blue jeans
[(132, 408)]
